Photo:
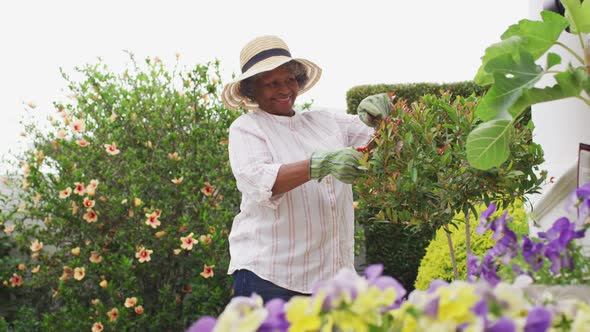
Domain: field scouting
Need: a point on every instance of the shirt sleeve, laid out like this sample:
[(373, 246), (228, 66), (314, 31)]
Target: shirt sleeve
[(252, 164), (356, 133)]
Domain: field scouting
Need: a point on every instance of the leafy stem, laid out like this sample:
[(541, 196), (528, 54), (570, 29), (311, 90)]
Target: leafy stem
[(576, 55)]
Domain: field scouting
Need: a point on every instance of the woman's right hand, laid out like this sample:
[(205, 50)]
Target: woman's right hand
[(342, 164)]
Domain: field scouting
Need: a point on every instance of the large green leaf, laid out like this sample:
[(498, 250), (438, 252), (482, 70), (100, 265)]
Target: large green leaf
[(511, 78), (507, 46), (569, 84), (578, 15), (538, 36), (488, 144), (534, 37)]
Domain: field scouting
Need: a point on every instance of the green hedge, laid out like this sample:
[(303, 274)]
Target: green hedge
[(410, 91), (398, 248)]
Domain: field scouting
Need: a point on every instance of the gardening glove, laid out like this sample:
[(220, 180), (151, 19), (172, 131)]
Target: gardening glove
[(374, 108), (342, 164)]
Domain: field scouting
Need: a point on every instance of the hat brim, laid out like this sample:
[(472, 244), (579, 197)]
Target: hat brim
[(233, 99)]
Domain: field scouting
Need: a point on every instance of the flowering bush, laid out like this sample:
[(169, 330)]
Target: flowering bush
[(121, 208), (551, 259)]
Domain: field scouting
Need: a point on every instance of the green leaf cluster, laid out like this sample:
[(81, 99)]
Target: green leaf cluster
[(510, 70), (153, 141), (418, 173)]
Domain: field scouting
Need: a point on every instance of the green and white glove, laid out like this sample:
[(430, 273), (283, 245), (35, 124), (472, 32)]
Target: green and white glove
[(374, 108), (342, 164)]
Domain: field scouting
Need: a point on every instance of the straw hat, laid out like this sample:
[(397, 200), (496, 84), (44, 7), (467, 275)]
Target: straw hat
[(263, 54)]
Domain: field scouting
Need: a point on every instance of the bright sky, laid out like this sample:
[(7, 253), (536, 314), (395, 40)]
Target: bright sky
[(355, 42)]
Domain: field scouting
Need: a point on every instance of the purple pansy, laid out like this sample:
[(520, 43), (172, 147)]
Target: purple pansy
[(204, 324), (538, 320), (276, 319), (532, 253), (503, 324), (483, 219)]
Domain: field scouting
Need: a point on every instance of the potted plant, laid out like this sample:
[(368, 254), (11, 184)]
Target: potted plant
[(510, 69)]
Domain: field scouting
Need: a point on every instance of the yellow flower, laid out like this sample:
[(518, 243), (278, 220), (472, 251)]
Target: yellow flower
[(95, 302), (139, 309), (78, 125), (82, 142), (8, 229), (88, 203), (97, 327), (304, 312), (152, 219), (95, 257), (177, 251), (143, 255), (160, 234), (112, 149), (113, 314), (36, 245), (208, 190), (36, 269), (21, 267), (187, 242), (79, 273), (65, 193), (456, 301), (207, 271), (130, 302), (177, 180), (76, 251), (90, 216), (137, 202), (104, 284)]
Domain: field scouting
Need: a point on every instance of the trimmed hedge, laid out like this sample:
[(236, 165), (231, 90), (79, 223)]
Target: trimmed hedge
[(411, 92)]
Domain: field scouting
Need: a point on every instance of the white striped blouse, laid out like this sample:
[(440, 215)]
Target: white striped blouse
[(307, 234)]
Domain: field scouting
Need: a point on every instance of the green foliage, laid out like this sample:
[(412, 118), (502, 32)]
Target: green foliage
[(398, 248), (509, 68), (436, 264), (410, 92), (148, 144), (418, 174)]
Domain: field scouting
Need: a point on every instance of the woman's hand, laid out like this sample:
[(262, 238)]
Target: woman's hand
[(374, 108), (342, 164)]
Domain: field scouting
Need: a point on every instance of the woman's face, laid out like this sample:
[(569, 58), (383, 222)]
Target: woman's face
[(275, 91)]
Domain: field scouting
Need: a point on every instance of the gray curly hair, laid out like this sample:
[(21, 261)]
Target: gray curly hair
[(247, 86)]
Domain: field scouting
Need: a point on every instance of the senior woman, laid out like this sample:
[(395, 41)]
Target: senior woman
[(294, 170)]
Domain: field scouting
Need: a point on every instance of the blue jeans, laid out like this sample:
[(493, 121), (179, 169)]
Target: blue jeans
[(247, 282)]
